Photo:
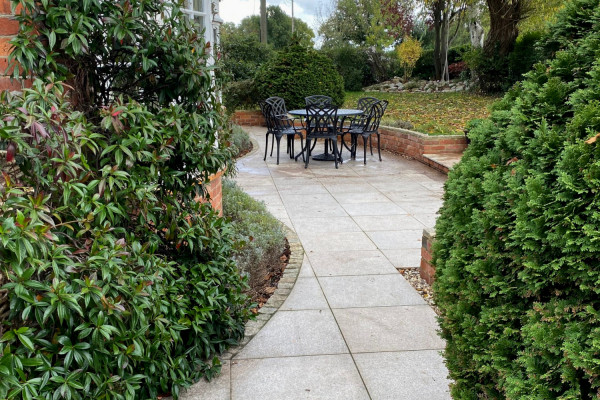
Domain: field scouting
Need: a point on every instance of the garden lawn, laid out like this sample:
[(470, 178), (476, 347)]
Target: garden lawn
[(431, 113)]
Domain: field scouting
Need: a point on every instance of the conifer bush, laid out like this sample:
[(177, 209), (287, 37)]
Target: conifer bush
[(518, 239), (121, 283), (297, 72)]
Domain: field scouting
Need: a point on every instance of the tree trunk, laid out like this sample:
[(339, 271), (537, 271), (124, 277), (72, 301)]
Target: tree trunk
[(263, 21), (438, 8), (445, 44), (475, 29), (504, 17)]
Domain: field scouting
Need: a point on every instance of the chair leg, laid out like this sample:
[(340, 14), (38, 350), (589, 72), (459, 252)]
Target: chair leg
[(302, 147), (365, 148), (371, 144), (266, 146), (272, 143), (307, 153), (335, 152), (379, 146), (278, 143)]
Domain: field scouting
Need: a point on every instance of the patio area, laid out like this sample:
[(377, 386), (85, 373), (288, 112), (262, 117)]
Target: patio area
[(352, 327)]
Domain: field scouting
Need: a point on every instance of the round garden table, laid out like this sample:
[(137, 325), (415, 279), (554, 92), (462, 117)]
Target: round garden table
[(342, 114)]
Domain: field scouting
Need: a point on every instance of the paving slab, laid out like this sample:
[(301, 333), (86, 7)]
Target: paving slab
[(306, 295), (377, 329), (372, 223), (335, 241), (316, 225), (369, 291), (336, 263), (296, 333), (404, 258), (391, 240), (407, 375), (306, 271), (332, 377), (381, 208)]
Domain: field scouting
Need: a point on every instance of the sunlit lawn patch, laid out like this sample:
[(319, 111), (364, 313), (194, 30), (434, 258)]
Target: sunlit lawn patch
[(431, 113)]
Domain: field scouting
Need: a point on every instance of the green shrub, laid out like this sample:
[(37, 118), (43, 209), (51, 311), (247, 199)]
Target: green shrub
[(243, 55), (498, 73), (425, 68), (518, 245), (297, 72), (259, 236), (121, 284), (240, 95), (353, 64), (240, 140)]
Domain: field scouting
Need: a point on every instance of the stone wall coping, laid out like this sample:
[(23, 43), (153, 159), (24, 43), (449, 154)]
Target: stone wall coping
[(420, 134)]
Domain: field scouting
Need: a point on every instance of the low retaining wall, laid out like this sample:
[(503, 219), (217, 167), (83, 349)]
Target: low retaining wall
[(417, 144), (248, 118), (395, 140)]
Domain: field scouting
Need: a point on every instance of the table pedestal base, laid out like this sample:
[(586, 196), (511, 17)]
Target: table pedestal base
[(324, 157)]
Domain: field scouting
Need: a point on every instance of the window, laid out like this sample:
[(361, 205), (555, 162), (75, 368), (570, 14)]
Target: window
[(199, 11)]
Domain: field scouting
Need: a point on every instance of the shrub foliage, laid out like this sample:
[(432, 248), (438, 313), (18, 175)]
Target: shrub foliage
[(121, 284), (518, 244), (297, 72), (259, 236)]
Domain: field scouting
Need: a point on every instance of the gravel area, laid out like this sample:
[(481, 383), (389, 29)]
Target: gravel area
[(420, 285)]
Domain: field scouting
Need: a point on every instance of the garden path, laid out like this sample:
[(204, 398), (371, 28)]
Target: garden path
[(352, 327)]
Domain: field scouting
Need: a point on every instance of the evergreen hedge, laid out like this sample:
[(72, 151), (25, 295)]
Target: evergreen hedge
[(518, 239), (297, 72)]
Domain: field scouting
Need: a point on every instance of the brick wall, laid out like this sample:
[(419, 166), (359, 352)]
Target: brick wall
[(8, 29), (427, 269), (416, 144), (248, 117), (214, 187)]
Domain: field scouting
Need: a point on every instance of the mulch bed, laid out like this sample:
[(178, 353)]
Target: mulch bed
[(265, 288)]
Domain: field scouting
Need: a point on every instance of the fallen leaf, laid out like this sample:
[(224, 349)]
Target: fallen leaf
[(593, 139)]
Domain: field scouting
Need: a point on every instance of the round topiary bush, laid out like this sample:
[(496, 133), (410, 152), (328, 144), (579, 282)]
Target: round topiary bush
[(297, 72), (518, 239)]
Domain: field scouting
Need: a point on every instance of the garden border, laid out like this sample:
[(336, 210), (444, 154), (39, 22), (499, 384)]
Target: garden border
[(284, 288)]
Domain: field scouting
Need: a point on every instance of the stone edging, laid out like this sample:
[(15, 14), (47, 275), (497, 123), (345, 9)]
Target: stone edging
[(284, 287)]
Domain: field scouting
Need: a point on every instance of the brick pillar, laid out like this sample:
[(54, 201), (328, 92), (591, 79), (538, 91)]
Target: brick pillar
[(427, 269), (8, 29)]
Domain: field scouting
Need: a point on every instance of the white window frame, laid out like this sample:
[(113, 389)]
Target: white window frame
[(206, 15)]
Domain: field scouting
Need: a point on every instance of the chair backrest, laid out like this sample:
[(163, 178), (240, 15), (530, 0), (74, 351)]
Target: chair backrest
[(321, 120), (318, 100), (277, 104), (375, 113), (267, 112), (364, 103)]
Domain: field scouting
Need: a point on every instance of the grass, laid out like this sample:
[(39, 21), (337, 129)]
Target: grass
[(431, 113)]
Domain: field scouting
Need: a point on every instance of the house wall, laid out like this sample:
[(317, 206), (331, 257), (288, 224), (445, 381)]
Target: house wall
[(8, 29)]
